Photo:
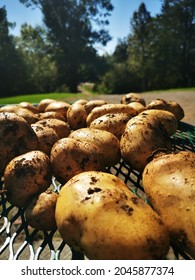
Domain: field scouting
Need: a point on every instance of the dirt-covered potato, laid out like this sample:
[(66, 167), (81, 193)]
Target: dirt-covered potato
[(27, 175), (94, 103), (170, 106), (114, 123), (29, 106), (43, 104), (61, 128), (40, 212), (58, 106), (70, 157), (46, 136), (139, 107), (81, 101), (51, 115), (133, 97), (169, 182), (76, 116), (16, 137), (142, 136), (168, 119), (98, 215), (107, 143), (109, 109), (28, 115)]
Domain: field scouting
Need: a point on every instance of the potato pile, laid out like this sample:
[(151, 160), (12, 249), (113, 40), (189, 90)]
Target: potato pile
[(94, 211)]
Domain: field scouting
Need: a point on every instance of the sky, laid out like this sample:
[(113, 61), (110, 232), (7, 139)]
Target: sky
[(119, 26)]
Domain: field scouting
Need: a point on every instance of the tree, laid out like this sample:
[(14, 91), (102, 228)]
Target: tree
[(178, 21), (35, 49), (11, 65), (139, 44), (74, 27)]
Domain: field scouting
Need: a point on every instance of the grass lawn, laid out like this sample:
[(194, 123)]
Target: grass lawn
[(36, 98)]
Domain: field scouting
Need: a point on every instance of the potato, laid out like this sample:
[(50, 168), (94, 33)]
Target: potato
[(40, 212), (98, 215), (58, 106), (169, 182), (27, 175), (76, 116), (168, 119), (70, 157), (108, 109), (43, 104), (143, 135), (16, 137), (107, 144), (51, 115), (170, 106), (46, 136), (81, 101), (94, 103), (28, 115), (114, 123), (132, 97), (139, 107), (29, 106), (61, 128)]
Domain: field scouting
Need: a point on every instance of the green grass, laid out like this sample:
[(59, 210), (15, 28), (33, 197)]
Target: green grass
[(36, 98)]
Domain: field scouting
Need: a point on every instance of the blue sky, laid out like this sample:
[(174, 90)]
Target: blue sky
[(119, 26)]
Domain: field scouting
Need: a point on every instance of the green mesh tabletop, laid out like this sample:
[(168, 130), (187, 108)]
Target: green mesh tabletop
[(19, 241)]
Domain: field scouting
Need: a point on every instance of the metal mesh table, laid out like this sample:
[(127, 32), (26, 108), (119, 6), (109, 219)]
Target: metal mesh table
[(19, 241)]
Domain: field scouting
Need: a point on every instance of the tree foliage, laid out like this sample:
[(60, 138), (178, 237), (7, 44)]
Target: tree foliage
[(11, 65), (160, 50), (70, 24)]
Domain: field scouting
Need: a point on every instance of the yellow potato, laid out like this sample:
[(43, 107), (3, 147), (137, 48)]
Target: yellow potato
[(98, 215), (107, 144), (170, 106), (114, 123), (47, 137), (143, 135), (70, 157), (76, 116), (25, 113), (61, 128), (168, 119), (169, 182), (40, 212), (16, 137), (27, 175), (108, 109), (132, 97)]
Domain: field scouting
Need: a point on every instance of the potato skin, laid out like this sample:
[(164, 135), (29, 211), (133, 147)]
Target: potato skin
[(27, 175), (47, 137), (168, 119), (70, 157), (98, 215), (132, 97), (142, 136), (172, 194), (114, 123), (170, 106), (109, 108), (107, 144), (16, 137), (61, 128), (76, 116), (40, 212)]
